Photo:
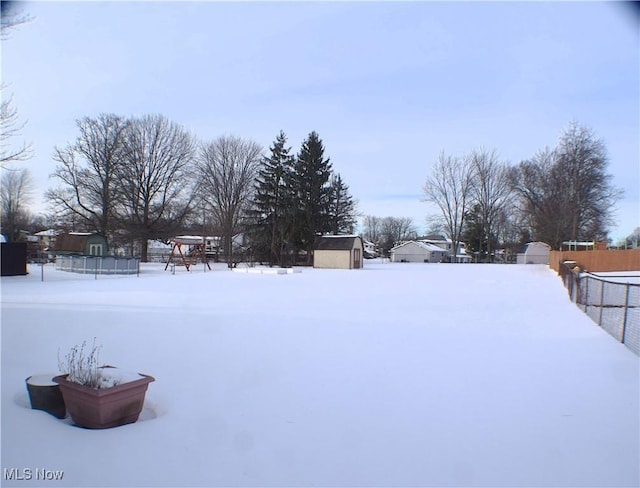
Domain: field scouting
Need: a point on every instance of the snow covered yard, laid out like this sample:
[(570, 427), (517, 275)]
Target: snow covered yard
[(394, 375)]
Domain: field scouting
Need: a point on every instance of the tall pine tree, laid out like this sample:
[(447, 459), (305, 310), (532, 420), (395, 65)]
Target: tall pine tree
[(342, 207), (313, 193), (273, 203)]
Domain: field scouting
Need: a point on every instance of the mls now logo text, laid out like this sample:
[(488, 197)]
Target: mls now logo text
[(26, 474)]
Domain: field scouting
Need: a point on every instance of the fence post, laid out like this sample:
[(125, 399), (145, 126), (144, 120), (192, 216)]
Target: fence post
[(570, 284), (602, 284), (626, 313), (586, 294)]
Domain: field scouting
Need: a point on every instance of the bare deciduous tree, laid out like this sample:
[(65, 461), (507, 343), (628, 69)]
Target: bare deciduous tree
[(10, 127), (396, 230), (89, 172), (372, 229), (15, 192), (541, 196), (511, 231), (11, 17), (449, 188), (435, 226), (566, 193), (581, 163), (385, 232), (490, 190), (156, 179), (227, 169)]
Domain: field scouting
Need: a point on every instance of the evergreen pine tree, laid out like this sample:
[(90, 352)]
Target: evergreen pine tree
[(342, 207), (272, 202), (472, 232), (310, 181)]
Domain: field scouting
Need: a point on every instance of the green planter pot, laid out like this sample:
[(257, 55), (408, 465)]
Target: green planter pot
[(106, 407)]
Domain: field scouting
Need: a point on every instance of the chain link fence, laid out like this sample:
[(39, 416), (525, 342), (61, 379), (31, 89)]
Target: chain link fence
[(612, 303)]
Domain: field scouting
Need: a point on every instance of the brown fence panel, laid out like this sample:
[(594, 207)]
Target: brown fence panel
[(598, 261)]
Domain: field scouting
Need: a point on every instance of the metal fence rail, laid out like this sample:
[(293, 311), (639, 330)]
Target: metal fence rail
[(614, 306)]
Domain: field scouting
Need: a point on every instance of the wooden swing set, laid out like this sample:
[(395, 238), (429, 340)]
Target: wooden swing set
[(198, 251)]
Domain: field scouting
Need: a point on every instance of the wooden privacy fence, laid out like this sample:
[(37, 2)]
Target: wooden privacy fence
[(613, 305), (598, 261)]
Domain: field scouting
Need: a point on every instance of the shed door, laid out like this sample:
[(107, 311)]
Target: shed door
[(356, 258), (95, 249)]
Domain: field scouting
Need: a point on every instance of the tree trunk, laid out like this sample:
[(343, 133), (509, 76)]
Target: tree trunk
[(144, 250)]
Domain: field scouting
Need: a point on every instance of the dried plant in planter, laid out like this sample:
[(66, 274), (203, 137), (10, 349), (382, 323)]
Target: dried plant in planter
[(82, 365), (96, 396)]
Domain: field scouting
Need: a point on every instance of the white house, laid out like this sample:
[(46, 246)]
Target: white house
[(158, 251), (46, 238), (417, 252), (534, 253), (447, 244), (370, 249)]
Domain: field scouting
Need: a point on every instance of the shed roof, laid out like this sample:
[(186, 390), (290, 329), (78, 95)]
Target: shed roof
[(73, 242), (47, 233), (335, 243), (534, 245), (424, 245)]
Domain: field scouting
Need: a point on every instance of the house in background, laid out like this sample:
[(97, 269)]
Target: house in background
[(370, 249), (81, 243), (158, 251), (338, 252), (584, 245), (418, 252), (46, 238), (461, 255), (534, 253)]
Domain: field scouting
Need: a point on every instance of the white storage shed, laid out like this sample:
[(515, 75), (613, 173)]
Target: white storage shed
[(534, 253)]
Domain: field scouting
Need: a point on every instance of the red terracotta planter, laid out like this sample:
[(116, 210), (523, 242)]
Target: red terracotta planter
[(106, 407)]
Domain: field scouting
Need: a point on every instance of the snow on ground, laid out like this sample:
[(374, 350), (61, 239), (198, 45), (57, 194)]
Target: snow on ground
[(394, 375)]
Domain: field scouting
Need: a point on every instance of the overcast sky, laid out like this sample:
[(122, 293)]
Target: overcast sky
[(387, 85)]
